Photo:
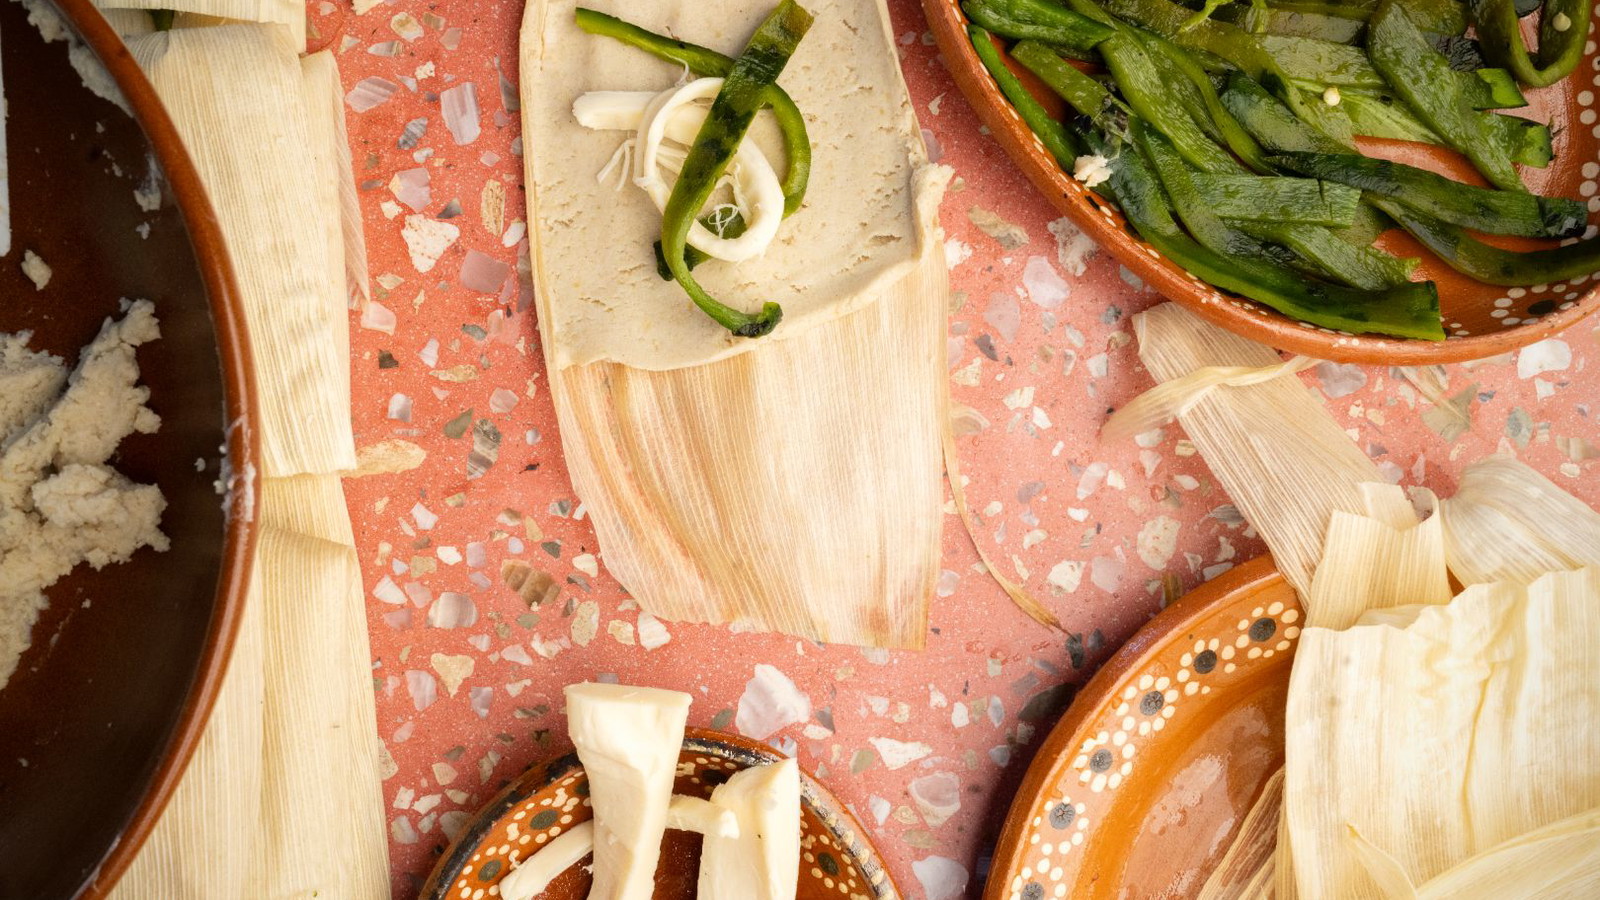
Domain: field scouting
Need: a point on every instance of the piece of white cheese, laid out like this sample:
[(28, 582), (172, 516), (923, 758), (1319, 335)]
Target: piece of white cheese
[(530, 878), (628, 739), (534, 874), (763, 862), (36, 269)]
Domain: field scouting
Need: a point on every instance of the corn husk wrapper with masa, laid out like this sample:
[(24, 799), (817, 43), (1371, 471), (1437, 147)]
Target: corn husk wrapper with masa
[(792, 483), (282, 797)]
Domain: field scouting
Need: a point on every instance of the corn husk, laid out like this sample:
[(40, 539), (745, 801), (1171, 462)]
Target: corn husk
[(1245, 871), (795, 488), (1282, 458), (1436, 733), (235, 94), (1368, 564), (336, 182), (1556, 862), (1507, 522), (282, 796), (289, 13)]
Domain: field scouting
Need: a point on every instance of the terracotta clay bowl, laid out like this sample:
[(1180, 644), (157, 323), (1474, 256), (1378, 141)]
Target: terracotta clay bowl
[(109, 701), (1481, 320), (1140, 788), (836, 861)]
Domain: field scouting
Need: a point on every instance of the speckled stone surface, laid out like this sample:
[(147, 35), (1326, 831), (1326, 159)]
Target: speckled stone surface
[(468, 677)]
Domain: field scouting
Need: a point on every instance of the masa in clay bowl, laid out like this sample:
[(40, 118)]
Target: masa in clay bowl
[(110, 682)]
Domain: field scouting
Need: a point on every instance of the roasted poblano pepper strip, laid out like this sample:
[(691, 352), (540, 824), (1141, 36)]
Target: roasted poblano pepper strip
[(1037, 20), (1084, 94), (708, 63), (1151, 95), (1423, 78), (1563, 30), (1328, 63), (1256, 198), (1494, 212), (1209, 111), (1293, 19), (1495, 265), (1361, 267), (1274, 125), (743, 93), (1050, 132), (1411, 310)]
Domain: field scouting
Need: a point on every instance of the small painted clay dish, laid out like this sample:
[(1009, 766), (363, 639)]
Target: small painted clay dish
[(1141, 787), (836, 860)]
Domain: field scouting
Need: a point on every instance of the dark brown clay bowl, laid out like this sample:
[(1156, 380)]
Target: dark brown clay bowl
[(109, 701), (1481, 320), (837, 860)]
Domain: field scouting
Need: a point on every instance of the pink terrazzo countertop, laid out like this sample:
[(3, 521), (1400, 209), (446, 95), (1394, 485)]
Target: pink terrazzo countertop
[(468, 678)]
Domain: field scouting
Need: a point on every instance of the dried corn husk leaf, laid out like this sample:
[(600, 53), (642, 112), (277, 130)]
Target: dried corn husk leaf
[(1560, 861), (1285, 462), (324, 99), (282, 796), (1169, 400), (1442, 731), (1245, 871), (1367, 565), (234, 92), (1507, 522), (796, 487), (288, 13)]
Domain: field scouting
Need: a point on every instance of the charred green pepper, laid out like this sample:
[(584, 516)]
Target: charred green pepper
[(1050, 132), (1495, 212), (1244, 267), (1422, 77), (744, 92), (1495, 265), (1037, 20), (708, 63), (1563, 30)]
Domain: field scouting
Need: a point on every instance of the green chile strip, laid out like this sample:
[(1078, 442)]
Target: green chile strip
[(1049, 131), (1494, 212), (1040, 20), (744, 92), (1422, 77), (1493, 265), (1411, 310), (1560, 49), (708, 63)]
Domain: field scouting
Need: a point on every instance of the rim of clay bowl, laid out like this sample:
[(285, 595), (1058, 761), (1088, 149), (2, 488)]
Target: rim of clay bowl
[(243, 443)]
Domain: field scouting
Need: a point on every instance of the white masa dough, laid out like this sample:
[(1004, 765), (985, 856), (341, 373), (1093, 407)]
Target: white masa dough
[(61, 505), (600, 298)]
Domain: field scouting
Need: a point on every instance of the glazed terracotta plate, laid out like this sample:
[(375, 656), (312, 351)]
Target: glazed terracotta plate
[(836, 859), (1481, 320), (1141, 787)]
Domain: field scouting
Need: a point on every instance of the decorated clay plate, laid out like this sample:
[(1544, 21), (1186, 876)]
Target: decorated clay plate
[(836, 860), (1140, 789), (1481, 320)]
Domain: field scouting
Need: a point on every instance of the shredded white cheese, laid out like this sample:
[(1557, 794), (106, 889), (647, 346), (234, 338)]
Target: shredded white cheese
[(1092, 171), (665, 126)]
